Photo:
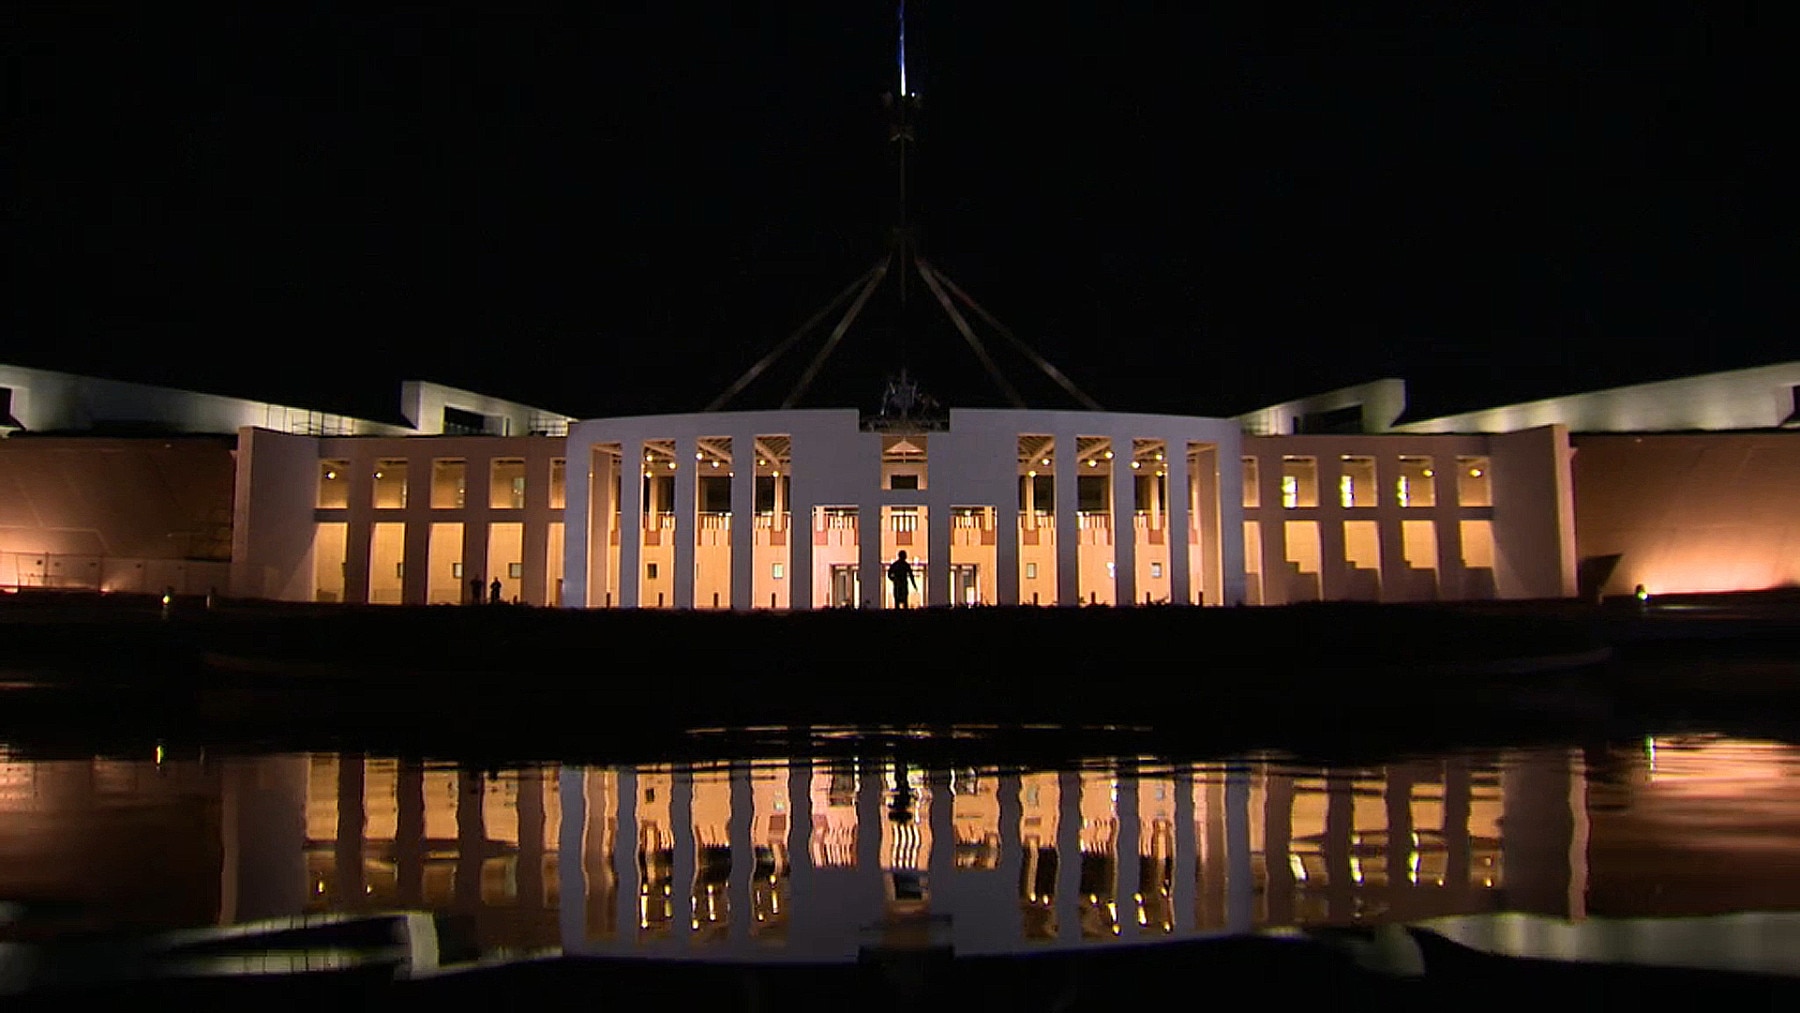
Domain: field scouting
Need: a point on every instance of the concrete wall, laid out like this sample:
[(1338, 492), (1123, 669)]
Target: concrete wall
[(1705, 512), (47, 401), (272, 537), (1420, 548), (1759, 398), (115, 514)]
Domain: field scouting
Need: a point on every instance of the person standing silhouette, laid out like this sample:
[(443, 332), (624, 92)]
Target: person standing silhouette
[(900, 574), (494, 590)]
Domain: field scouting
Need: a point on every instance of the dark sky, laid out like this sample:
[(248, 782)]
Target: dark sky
[(618, 208)]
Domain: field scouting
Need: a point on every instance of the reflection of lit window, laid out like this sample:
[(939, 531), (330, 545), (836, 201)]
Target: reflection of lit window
[(1109, 572), (456, 570), (1030, 571), (1290, 491), (1347, 490), (1155, 570), (1401, 491), (775, 570)]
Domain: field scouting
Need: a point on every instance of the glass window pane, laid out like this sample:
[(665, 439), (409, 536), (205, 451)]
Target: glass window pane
[(390, 484), (1474, 486), (1416, 485), (506, 488), (449, 484), (334, 485)]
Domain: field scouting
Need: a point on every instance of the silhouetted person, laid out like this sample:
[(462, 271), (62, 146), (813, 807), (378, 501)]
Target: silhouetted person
[(900, 572), (474, 590), (494, 592)]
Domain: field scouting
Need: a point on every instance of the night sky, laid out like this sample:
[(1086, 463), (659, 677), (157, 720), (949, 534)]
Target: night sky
[(1188, 207)]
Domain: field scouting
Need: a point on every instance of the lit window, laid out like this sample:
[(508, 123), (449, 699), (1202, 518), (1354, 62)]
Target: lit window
[(456, 570), (1299, 482), (1155, 570), (1252, 491), (334, 484), (515, 570), (1417, 484), (1474, 482), (1290, 491), (1030, 571), (776, 570)]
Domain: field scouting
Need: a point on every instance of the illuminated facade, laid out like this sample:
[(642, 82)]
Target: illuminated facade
[(110, 486)]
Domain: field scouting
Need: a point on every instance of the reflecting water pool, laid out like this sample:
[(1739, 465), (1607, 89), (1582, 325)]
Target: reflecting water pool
[(811, 858)]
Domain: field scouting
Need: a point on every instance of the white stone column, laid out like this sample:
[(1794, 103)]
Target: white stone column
[(597, 522), (1175, 526), (1007, 532), (631, 524), (578, 513), (1334, 576), (1068, 523), (940, 523), (743, 520), (870, 561), (687, 480), (1124, 523)]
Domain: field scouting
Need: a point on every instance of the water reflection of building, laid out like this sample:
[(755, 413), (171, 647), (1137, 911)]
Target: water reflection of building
[(806, 860)]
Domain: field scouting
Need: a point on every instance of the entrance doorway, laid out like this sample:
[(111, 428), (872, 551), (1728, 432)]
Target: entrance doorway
[(846, 586), (965, 584)]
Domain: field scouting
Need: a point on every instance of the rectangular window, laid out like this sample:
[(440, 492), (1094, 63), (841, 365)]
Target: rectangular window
[(776, 570), (1252, 488), (515, 570), (558, 483), (456, 570), (1474, 484), (506, 484), (650, 571), (1030, 571), (390, 484), (903, 482), (1417, 484), (1356, 486), (1155, 571), (449, 483), (1299, 482), (334, 485)]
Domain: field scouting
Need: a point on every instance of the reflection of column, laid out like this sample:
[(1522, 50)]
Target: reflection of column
[(1210, 905), (1068, 855), (1238, 898), (571, 858), (471, 837), (1456, 831), (799, 843), (942, 859), (1010, 864), (1538, 826), (350, 833), (264, 839), (530, 873), (409, 833), (1340, 821), (871, 561), (681, 816), (1278, 840), (743, 849), (1130, 862), (1187, 848), (625, 859), (1400, 848)]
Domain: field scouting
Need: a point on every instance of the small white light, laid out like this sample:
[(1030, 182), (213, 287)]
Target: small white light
[(1426, 472), (648, 456), (1474, 472), (715, 464), (1109, 455), (698, 456), (1031, 474), (378, 474), (1159, 455), (1093, 463), (1045, 462), (671, 465), (760, 462), (331, 474), (1136, 464)]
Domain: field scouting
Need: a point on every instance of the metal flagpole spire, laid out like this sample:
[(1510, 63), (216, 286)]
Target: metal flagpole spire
[(902, 260)]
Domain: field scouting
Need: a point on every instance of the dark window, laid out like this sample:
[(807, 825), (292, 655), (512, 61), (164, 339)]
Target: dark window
[(1336, 420), (650, 570), (458, 422), (903, 482)]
